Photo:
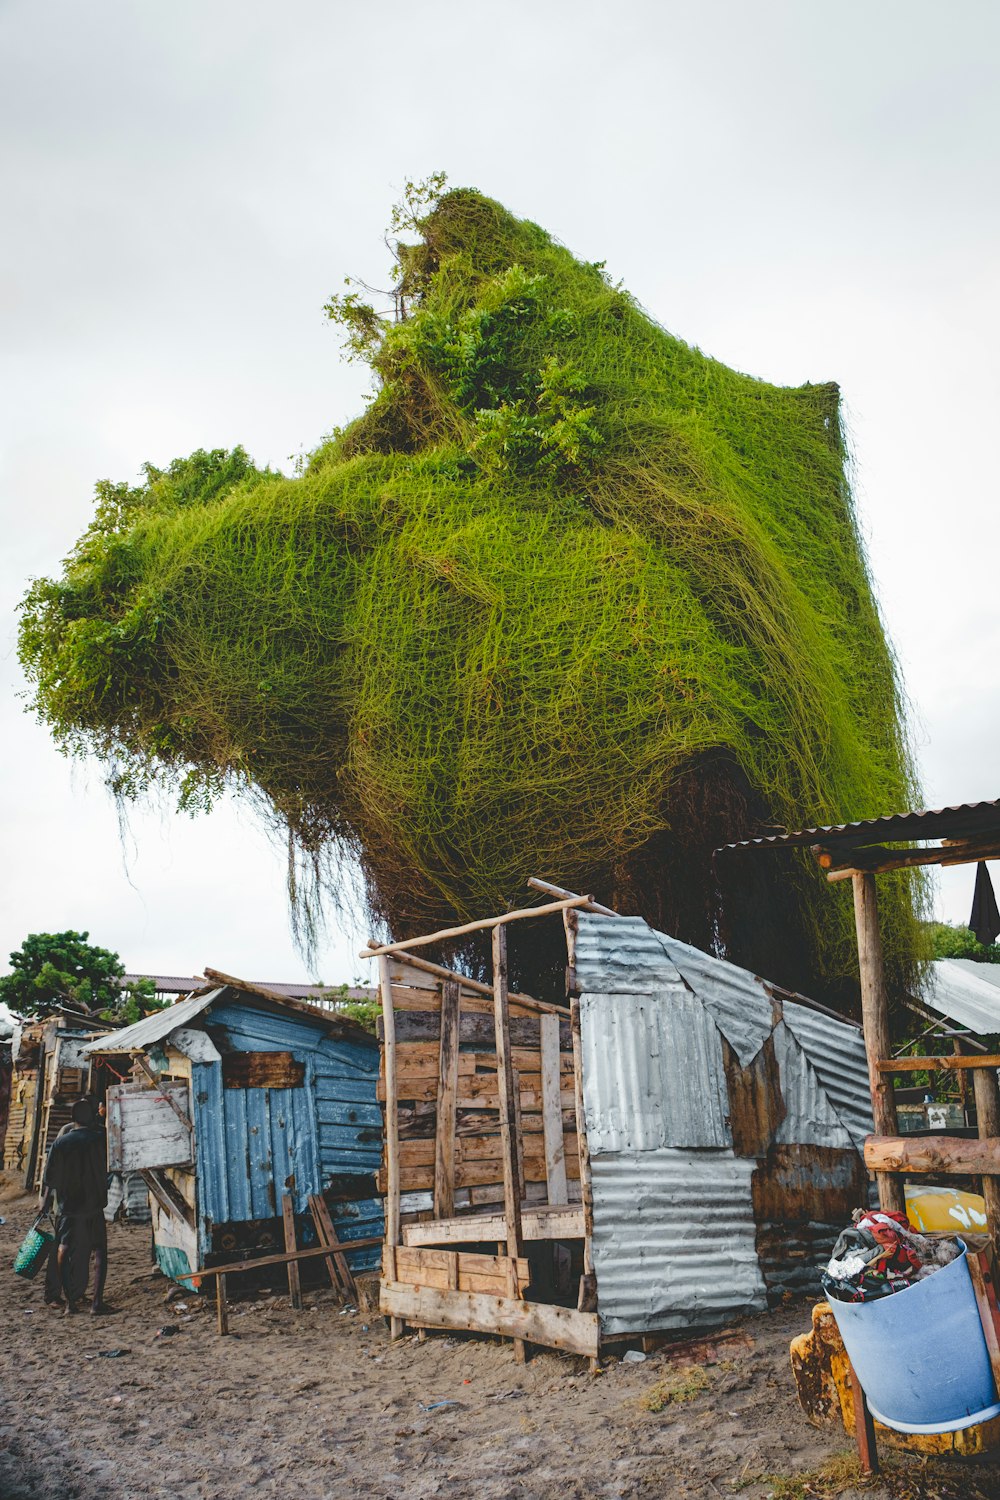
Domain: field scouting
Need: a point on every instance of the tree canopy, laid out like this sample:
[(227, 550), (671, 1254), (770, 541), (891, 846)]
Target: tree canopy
[(62, 969)]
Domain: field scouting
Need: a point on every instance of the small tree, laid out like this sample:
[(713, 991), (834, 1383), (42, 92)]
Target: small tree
[(958, 942), (53, 969)]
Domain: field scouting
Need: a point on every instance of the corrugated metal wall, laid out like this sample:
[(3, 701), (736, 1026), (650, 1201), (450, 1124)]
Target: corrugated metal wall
[(674, 1239), (653, 1071), (837, 1052), (679, 1238), (253, 1144)]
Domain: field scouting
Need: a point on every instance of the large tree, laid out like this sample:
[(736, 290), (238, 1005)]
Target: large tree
[(52, 969), (570, 598)]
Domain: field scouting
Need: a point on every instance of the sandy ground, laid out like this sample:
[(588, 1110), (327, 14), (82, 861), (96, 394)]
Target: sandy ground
[(319, 1404)]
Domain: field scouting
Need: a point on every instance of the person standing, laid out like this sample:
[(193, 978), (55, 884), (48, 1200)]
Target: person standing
[(76, 1173)]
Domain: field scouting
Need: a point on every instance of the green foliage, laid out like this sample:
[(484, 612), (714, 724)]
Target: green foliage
[(50, 970), (568, 598), (948, 941)]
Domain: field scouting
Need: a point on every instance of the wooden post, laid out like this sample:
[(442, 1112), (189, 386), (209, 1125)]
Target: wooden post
[(864, 1427), (340, 1272), (875, 1020), (396, 1325), (508, 1108), (555, 1157), (986, 1301), (221, 1306), (958, 1048), (288, 1216), (987, 1093), (447, 1099)]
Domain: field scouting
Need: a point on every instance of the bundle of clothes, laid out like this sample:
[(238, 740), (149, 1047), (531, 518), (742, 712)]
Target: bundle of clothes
[(880, 1254)]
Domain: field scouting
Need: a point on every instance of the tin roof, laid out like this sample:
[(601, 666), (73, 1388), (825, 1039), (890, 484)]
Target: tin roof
[(155, 1027), (964, 821), (966, 992)]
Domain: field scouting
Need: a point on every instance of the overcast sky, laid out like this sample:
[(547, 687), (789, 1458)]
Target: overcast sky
[(806, 192)]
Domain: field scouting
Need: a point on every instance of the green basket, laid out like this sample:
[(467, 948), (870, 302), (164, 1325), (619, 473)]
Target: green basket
[(34, 1249)]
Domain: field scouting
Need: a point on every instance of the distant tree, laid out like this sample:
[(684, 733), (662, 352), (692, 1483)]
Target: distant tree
[(949, 941), (52, 969)]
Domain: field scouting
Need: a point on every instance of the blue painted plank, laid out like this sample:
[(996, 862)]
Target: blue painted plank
[(237, 1155), (349, 1113)]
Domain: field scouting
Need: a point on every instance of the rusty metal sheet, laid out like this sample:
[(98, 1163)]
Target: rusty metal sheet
[(756, 1107), (262, 1070), (652, 1070), (801, 1183), (674, 1240)]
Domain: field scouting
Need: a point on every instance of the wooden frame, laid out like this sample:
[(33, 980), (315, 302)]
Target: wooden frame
[(484, 1147)]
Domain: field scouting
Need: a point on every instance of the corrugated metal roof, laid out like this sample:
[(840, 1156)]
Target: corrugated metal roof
[(142, 1034), (619, 955), (737, 999), (810, 1118), (837, 1052), (941, 823), (965, 992), (674, 1239), (652, 1070)]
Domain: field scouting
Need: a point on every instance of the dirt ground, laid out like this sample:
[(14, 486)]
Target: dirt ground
[(319, 1404)]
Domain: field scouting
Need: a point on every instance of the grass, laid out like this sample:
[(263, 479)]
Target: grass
[(686, 1385), (901, 1478)]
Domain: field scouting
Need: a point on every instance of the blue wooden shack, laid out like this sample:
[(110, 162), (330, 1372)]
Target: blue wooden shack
[(237, 1096)]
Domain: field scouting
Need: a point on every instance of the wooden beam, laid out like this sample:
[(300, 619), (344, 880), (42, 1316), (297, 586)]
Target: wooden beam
[(548, 889), (937, 1153), (505, 1089), (473, 1229), (552, 1122), (953, 1062), (221, 1306), (288, 1220), (877, 861), (326, 1234), (986, 1302), (447, 1098), (864, 1426), (510, 1317), (875, 1023), (391, 1119), (481, 926), (508, 1091), (233, 1267), (528, 1002), (987, 1094)]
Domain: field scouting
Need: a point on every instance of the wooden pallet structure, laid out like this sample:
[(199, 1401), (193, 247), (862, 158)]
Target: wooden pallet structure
[(485, 1171), (859, 852)]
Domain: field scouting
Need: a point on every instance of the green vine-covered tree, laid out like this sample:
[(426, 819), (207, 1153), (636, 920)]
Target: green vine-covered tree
[(569, 598)]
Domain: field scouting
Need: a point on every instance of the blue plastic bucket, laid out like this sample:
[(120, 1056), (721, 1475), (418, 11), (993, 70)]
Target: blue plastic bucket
[(920, 1354)]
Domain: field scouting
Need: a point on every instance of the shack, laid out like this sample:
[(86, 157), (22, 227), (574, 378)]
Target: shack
[(682, 1144), (49, 1072), (237, 1096)]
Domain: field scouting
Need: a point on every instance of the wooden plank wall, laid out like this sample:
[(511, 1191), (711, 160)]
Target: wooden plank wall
[(447, 1074)]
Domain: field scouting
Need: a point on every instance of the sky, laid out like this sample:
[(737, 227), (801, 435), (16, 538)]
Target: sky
[(804, 192)]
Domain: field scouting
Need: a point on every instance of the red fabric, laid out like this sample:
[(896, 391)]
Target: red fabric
[(897, 1258)]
